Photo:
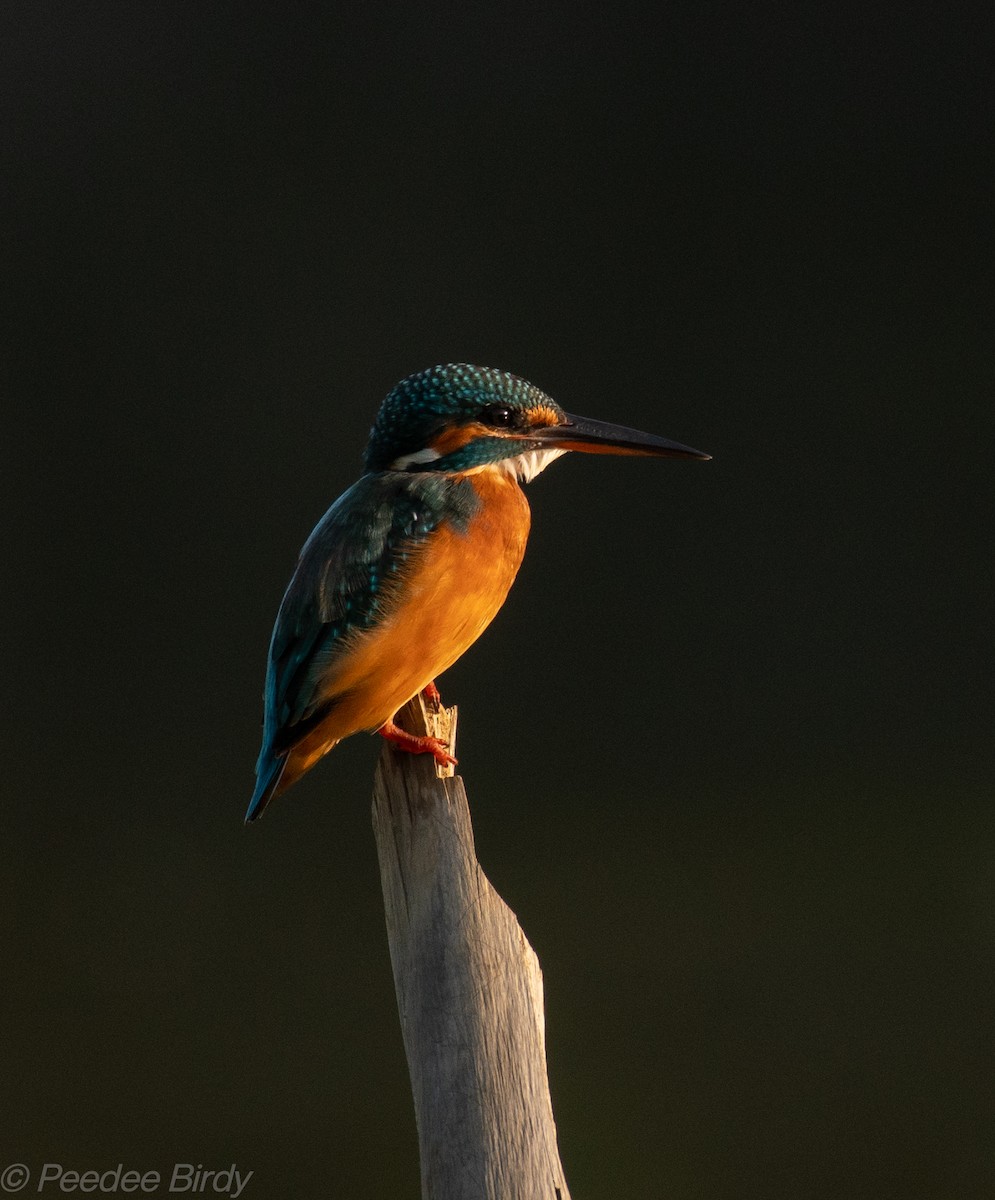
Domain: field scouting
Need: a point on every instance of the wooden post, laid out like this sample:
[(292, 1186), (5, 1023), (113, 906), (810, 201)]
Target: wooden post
[(469, 989)]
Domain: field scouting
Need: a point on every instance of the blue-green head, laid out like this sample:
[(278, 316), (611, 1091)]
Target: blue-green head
[(458, 418)]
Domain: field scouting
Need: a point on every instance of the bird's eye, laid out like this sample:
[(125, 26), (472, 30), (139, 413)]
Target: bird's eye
[(498, 415)]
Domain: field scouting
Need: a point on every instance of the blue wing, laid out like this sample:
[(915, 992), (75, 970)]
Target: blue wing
[(346, 579)]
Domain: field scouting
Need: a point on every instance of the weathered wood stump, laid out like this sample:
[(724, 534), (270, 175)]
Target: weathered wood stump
[(469, 989)]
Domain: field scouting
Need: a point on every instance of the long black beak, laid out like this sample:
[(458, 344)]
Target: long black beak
[(598, 437)]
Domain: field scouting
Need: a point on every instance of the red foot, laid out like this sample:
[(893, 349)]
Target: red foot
[(410, 743), (432, 695)]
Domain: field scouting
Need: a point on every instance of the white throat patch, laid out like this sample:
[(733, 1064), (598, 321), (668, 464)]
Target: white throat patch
[(523, 466), (528, 465)]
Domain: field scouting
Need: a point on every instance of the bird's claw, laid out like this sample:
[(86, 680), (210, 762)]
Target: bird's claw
[(440, 752), (412, 743)]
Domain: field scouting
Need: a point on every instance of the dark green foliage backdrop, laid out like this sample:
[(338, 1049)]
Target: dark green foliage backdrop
[(728, 746)]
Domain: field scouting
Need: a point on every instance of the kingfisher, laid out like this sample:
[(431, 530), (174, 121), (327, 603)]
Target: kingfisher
[(410, 565)]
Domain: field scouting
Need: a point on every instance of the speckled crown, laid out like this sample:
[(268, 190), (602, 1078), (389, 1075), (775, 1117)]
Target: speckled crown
[(419, 406)]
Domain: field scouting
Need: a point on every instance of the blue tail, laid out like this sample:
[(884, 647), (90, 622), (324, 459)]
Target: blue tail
[(268, 776)]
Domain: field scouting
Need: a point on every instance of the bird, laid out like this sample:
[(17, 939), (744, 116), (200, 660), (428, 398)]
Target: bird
[(412, 563)]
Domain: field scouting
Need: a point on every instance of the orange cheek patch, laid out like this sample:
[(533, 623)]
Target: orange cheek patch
[(450, 440), (543, 417)]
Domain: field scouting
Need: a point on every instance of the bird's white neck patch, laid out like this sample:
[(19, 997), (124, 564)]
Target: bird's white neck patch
[(524, 467), (528, 465), (411, 460)]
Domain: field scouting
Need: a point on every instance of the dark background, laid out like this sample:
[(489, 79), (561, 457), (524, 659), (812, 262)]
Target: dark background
[(729, 744)]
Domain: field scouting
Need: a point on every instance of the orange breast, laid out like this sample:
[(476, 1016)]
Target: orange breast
[(452, 595)]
